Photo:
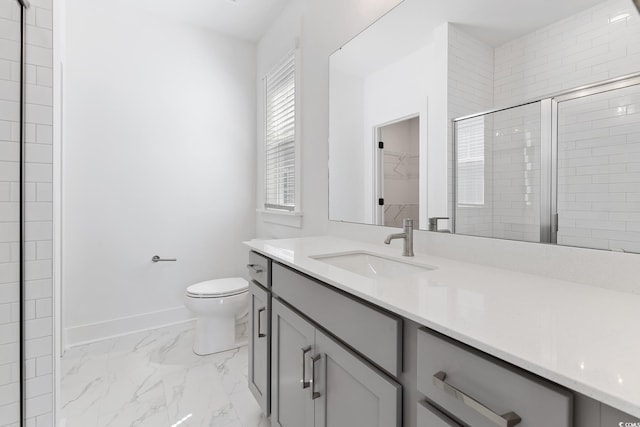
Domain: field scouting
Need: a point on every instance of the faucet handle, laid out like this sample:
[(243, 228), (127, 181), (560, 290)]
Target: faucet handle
[(433, 222), (407, 222)]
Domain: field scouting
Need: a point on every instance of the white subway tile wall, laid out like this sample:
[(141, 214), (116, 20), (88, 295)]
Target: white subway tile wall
[(38, 211), (9, 213), (599, 171), (470, 90), (515, 144), (597, 44)]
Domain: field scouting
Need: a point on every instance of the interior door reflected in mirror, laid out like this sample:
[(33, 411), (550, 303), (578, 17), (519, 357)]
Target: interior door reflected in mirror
[(514, 136), (398, 171)]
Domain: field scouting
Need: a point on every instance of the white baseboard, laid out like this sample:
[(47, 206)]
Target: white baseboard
[(85, 334)]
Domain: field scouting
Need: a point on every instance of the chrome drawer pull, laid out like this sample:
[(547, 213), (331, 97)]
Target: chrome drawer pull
[(260, 334), (509, 419), (303, 381), (256, 268), (314, 393)]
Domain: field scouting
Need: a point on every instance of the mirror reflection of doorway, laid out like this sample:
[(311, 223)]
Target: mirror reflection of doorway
[(397, 170)]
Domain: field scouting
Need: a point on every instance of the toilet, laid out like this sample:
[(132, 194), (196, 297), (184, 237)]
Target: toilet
[(217, 303)]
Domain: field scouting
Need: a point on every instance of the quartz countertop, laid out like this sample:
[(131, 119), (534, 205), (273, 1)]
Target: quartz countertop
[(583, 337)]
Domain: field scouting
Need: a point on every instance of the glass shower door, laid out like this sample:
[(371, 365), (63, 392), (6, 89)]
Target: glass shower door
[(10, 212), (498, 174)]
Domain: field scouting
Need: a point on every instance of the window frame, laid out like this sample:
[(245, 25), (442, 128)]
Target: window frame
[(468, 160), (263, 206)]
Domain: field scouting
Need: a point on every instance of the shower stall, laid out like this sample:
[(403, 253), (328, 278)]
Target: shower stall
[(564, 169), (12, 213)]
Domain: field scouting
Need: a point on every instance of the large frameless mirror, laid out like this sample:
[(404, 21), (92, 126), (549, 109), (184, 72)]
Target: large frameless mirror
[(497, 119)]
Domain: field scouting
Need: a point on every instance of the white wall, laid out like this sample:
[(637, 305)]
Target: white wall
[(347, 164), (158, 158), (38, 196), (411, 87)]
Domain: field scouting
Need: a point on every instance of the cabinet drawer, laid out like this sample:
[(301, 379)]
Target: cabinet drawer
[(429, 416), (372, 332), (260, 269), (476, 388)]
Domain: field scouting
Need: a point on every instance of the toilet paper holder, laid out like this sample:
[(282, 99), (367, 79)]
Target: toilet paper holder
[(156, 258)]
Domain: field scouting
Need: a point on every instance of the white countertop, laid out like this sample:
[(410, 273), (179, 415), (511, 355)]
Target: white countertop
[(582, 337)]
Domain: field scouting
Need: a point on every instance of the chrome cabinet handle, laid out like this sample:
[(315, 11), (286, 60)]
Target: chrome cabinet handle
[(256, 268), (303, 381), (157, 258), (260, 334), (314, 393), (509, 419)]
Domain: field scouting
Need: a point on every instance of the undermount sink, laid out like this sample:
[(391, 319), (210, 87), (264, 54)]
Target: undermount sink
[(372, 266)]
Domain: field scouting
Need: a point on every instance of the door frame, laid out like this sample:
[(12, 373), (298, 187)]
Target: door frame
[(378, 165)]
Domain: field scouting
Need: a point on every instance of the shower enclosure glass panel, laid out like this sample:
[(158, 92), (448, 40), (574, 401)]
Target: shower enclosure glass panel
[(10, 212), (599, 170), (497, 174)]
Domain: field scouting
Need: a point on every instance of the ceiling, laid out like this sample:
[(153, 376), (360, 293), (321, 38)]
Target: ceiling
[(243, 19), (410, 26)]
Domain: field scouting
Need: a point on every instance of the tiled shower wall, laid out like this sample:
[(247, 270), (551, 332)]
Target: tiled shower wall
[(9, 212), (38, 196), (515, 149), (599, 171), (470, 90), (595, 45), (600, 43)]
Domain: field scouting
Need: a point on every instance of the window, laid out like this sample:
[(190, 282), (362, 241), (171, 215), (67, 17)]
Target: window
[(280, 136), (470, 150)]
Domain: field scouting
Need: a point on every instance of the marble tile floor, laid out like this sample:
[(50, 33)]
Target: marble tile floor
[(153, 379)]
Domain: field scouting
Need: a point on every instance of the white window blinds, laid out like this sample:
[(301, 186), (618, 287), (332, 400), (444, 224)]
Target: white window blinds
[(280, 136), (470, 150)]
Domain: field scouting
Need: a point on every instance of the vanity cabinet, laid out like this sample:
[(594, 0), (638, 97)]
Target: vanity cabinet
[(317, 381), (484, 392), (259, 371), (375, 333), (320, 357)]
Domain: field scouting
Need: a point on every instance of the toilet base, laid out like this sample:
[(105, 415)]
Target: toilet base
[(214, 335)]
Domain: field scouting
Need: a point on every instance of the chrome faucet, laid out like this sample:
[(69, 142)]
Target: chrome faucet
[(407, 235)]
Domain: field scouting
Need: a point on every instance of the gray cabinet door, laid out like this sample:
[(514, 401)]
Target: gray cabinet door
[(291, 347), (351, 391), (259, 345)]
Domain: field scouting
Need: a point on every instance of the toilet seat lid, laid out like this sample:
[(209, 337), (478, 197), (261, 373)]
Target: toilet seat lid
[(218, 287)]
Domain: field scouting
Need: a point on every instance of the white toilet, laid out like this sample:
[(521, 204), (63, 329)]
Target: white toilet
[(217, 303)]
